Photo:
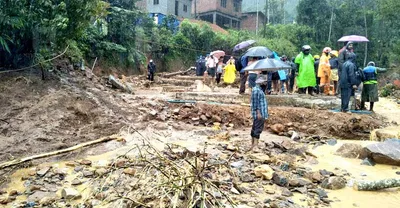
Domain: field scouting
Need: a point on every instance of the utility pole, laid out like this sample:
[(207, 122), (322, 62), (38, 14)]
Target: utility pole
[(268, 11), (195, 9), (265, 19), (257, 20)]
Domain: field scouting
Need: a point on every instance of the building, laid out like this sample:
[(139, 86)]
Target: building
[(224, 13), (179, 8), (249, 14)]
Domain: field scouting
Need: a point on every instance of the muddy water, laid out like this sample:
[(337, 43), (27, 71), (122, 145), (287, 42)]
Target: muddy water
[(348, 197)]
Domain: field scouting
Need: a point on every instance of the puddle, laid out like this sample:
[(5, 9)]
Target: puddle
[(348, 197)]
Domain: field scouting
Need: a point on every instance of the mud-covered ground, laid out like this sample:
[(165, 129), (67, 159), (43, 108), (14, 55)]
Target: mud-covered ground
[(40, 116)]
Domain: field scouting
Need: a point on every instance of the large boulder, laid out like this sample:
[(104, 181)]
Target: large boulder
[(349, 150), (387, 152)]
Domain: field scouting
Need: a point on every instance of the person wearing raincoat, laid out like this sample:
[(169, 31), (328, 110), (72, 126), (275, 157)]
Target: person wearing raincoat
[(230, 71), (370, 86), (306, 78), (324, 71), (334, 62)]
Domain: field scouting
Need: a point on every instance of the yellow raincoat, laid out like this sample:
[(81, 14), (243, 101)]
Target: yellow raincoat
[(230, 73), (324, 69)]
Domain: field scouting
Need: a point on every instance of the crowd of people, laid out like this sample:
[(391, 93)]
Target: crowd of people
[(333, 73)]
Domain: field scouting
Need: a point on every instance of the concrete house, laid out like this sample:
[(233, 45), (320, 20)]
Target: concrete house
[(249, 14), (179, 8), (224, 13)]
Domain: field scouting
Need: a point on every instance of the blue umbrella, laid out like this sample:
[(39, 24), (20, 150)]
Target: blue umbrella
[(243, 44), (259, 51), (267, 65)]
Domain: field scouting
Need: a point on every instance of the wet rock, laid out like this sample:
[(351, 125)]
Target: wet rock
[(260, 157), (325, 173), (368, 162), (203, 118), (47, 200), (71, 164), (334, 183), (76, 182), (398, 172), (231, 148), (384, 134), (4, 200), (297, 182), (176, 111), (238, 164), (235, 191), (39, 195), (78, 168), (13, 193), (70, 193), (153, 113), (332, 142), (101, 164), (286, 192), (101, 171), (320, 192), (315, 176), (264, 171), (88, 173), (246, 178), (121, 163), (42, 172), (386, 152), (312, 130), (85, 162), (280, 179), (277, 128), (130, 171), (216, 118), (302, 190), (294, 136), (349, 150)]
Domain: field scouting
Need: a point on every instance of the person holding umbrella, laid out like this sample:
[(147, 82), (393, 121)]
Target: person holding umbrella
[(211, 65), (306, 79)]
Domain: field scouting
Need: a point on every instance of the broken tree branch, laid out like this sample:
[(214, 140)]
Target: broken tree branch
[(376, 185), (70, 149), (177, 73)]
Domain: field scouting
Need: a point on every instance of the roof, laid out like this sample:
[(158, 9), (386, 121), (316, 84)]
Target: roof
[(214, 27), (249, 6)]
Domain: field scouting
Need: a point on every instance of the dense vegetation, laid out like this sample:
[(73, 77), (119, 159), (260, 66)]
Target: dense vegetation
[(120, 35)]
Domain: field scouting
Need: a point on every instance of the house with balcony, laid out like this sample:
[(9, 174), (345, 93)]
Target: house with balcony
[(224, 13)]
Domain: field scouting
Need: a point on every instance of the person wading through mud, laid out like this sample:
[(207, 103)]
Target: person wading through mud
[(370, 86), (151, 69), (240, 65), (259, 111), (306, 80), (348, 81)]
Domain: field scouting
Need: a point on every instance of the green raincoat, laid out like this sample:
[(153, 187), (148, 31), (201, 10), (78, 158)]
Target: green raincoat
[(306, 77)]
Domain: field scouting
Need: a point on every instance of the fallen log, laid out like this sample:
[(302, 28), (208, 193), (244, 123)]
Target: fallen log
[(177, 73), (376, 185), (70, 149)]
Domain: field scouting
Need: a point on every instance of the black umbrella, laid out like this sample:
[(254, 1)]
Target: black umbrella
[(267, 65), (259, 51)]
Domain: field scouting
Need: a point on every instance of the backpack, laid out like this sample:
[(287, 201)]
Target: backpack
[(360, 76)]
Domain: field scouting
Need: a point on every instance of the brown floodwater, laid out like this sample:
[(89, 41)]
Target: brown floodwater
[(348, 197)]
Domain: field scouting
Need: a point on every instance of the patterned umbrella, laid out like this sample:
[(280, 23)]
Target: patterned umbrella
[(217, 54), (243, 44)]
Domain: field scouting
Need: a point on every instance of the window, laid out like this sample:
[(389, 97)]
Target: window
[(176, 8), (155, 2), (223, 3), (185, 8), (236, 6)]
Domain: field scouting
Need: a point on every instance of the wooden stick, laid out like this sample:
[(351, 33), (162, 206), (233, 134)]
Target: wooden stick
[(70, 149), (376, 185), (176, 73)]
